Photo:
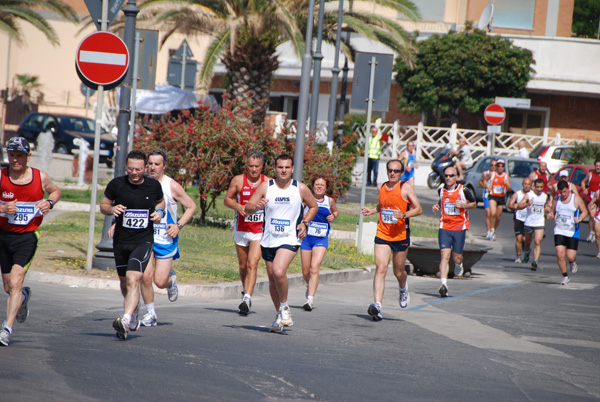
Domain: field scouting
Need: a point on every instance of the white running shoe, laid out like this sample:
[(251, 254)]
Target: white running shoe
[(458, 270), (245, 305), (173, 290), (443, 290), (590, 237), (574, 267), (518, 260), (308, 306), (375, 311), (23, 312), (149, 320), (134, 323), (565, 280), (122, 327), (277, 326), (286, 316), (493, 236), (4, 337), (598, 255), (404, 299)]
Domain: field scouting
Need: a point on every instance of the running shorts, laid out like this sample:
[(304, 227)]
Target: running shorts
[(166, 251), (132, 257), (244, 239), (454, 239), (570, 243), (310, 242), (519, 226), (17, 249), (401, 245), (268, 253)]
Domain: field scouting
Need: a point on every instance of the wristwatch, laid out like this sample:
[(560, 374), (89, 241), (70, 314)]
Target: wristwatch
[(403, 215), (51, 203), (179, 225)]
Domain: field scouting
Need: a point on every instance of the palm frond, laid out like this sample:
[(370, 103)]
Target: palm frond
[(215, 49)]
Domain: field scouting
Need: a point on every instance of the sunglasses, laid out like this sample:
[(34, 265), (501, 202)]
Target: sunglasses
[(500, 164), (450, 175), (394, 171), (494, 165)]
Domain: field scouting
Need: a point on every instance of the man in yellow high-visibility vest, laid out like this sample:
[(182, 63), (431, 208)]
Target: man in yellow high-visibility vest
[(376, 141)]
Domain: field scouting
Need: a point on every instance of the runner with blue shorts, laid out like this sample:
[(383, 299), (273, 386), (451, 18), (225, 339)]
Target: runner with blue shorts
[(408, 158), (315, 244), (486, 201)]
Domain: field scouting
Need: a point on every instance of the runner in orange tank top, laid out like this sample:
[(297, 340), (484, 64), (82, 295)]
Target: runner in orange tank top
[(498, 183), (397, 203), (454, 202), (248, 228)]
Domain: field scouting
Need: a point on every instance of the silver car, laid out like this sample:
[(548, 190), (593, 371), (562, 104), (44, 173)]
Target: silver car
[(517, 167)]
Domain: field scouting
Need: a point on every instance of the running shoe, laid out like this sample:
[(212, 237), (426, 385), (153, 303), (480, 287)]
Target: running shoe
[(4, 337), (518, 260), (286, 316), (489, 233), (526, 258), (534, 265), (149, 320), (277, 326), (591, 237), (404, 299), (458, 269), (307, 306), (134, 323), (375, 312), (598, 255), (24, 311), (122, 327), (565, 280), (245, 305), (493, 236), (443, 290), (173, 290), (467, 274), (574, 267)]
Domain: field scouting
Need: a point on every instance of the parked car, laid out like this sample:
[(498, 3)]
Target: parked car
[(555, 156), (576, 175), (65, 129), (517, 167)]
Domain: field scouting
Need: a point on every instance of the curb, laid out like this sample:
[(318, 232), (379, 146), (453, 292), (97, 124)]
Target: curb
[(221, 291)]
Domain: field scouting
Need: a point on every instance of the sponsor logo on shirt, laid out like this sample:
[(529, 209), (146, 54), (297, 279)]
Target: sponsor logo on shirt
[(135, 214), (26, 209), (245, 192), (282, 200), (6, 194)]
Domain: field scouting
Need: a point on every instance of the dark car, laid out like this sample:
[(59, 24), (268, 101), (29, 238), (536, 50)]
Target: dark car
[(576, 174), (65, 129), (517, 167)]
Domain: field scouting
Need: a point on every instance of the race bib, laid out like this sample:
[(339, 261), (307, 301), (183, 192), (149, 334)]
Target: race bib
[(280, 227), (136, 218), (24, 215), (255, 217), (564, 221), (160, 229), (317, 229), (497, 189), (450, 208), (537, 209), (521, 214), (387, 216)]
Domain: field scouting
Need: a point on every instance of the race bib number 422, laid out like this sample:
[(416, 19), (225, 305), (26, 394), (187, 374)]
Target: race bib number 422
[(136, 218)]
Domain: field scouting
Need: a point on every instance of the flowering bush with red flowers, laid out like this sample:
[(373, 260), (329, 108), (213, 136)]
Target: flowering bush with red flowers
[(207, 148)]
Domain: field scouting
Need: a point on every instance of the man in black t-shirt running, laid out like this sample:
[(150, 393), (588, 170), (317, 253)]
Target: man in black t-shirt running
[(136, 201)]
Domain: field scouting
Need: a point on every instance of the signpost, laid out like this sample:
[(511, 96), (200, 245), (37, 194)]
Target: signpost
[(102, 59), (95, 9), (494, 114)]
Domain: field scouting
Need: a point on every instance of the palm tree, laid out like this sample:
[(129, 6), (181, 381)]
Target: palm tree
[(585, 153), (11, 11), (245, 34)]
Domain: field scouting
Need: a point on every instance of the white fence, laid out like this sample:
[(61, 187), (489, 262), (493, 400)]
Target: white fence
[(429, 139)]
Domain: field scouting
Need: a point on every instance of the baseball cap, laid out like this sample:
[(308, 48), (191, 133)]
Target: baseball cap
[(18, 144), (501, 161), (564, 173)]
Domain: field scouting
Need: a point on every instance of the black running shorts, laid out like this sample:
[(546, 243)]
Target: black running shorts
[(17, 249), (132, 257)]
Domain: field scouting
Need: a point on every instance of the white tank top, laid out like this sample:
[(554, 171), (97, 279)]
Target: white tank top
[(283, 213), (520, 214), (535, 212), (565, 213), (170, 216)]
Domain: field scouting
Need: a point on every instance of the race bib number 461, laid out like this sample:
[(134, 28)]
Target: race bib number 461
[(136, 218), (256, 217)]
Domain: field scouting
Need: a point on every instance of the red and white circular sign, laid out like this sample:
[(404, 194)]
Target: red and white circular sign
[(494, 114), (102, 58)]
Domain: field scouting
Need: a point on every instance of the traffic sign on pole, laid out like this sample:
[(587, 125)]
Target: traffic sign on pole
[(494, 114), (102, 58), (95, 9)]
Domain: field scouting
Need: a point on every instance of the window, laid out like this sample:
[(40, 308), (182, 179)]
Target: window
[(521, 169), (484, 165), (578, 176), (514, 14), (556, 153), (431, 10), (522, 121), (35, 121)]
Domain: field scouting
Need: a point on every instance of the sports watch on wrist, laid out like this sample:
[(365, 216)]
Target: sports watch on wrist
[(179, 225)]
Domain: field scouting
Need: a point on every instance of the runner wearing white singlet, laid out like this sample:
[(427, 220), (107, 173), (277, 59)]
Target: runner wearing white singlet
[(282, 200), (536, 203), (519, 221)]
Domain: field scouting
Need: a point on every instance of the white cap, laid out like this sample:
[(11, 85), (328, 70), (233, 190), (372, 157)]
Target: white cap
[(563, 173), (501, 161)]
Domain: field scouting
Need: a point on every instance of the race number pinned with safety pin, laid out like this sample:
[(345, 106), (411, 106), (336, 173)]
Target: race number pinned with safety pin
[(317, 229), (255, 217), (387, 216), (280, 227), (136, 218), (23, 215)]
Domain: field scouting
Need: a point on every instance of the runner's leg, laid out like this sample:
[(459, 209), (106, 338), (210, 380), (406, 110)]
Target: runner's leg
[(382, 259)]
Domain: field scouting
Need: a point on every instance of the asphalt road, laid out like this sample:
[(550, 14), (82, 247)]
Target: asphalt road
[(506, 334)]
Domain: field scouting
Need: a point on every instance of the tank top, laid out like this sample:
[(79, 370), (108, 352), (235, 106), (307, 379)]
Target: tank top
[(390, 228), (453, 218), (593, 183), (160, 229), (535, 211), (251, 223), (283, 213), (565, 213), (520, 214), (28, 216), (319, 226), (498, 184), (544, 177), (409, 162)]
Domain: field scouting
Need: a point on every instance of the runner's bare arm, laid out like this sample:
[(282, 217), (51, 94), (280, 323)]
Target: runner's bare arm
[(512, 202), (232, 192), (106, 207), (53, 191), (408, 193), (308, 199), (334, 212), (157, 216), (583, 212), (187, 202)]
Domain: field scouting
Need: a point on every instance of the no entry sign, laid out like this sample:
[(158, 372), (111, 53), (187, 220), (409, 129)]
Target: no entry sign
[(102, 59), (494, 114)]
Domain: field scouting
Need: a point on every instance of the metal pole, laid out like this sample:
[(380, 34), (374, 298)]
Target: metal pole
[(303, 98), (363, 190), (343, 91), (335, 71), (183, 61), (87, 100), (134, 91), (316, 83), (99, 107), (105, 246)]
